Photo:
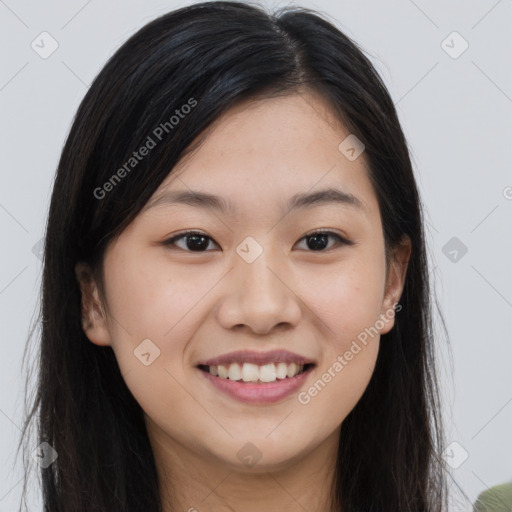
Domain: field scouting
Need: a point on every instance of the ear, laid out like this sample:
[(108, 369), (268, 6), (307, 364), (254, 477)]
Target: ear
[(94, 318), (395, 283)]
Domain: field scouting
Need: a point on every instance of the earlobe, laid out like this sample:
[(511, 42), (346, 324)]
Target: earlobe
[(395, 283), (94, 319)]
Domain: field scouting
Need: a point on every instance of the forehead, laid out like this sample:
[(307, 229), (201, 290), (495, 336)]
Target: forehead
[(272, 150)]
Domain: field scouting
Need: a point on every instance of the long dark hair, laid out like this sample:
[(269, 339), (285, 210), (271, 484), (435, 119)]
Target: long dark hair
[(217, 54)]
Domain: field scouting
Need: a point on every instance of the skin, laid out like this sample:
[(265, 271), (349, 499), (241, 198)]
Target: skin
[(196, 305)]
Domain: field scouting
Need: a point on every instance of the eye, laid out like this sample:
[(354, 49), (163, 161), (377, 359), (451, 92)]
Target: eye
[(195, 241), (319, 240)]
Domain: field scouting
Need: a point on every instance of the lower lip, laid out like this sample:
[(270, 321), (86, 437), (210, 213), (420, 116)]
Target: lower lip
[(266, 393)]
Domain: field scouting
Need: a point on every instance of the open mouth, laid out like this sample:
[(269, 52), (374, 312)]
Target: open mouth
[(254, 374)]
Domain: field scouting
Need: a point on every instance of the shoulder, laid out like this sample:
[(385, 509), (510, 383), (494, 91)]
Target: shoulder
[(495, 499)]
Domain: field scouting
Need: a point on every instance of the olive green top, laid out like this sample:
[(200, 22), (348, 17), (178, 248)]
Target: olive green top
[(495, 499)]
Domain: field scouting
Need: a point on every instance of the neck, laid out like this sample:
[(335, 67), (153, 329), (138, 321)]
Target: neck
[(195, 482)]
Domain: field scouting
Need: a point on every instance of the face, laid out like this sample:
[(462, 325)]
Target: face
[(253, 278)]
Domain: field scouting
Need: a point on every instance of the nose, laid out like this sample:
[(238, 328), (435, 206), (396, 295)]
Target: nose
[(259, 296)]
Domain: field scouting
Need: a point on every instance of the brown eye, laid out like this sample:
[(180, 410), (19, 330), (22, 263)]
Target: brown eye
[(195, 241), (318, 240)]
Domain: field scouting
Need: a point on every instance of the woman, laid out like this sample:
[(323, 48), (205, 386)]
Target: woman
[(204, 347)]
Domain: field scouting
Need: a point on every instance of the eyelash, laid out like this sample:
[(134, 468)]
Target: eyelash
[(341, 240)]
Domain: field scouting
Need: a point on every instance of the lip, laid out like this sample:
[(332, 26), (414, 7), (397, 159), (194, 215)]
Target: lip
[(259, 358), (264, 393)]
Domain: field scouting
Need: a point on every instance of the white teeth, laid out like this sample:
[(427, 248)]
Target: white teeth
[(235, 372), (281, 370), (292, 370), (222, 371), (268, 373), (249, 372)]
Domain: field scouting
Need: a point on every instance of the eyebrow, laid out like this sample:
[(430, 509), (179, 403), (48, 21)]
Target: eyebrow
[(298, 201)]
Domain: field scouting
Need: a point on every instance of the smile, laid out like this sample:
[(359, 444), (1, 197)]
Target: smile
[(249, 372), (257, 390)]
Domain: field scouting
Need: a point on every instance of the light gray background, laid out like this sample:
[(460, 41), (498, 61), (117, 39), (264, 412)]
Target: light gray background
[(457, 117)]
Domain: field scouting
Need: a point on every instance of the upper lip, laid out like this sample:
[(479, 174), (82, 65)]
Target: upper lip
[(258, 358)]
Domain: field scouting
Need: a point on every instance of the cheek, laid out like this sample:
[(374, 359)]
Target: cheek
[(346, 298), (143, 295), (150, 300), (151, 326), (346, 303)]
